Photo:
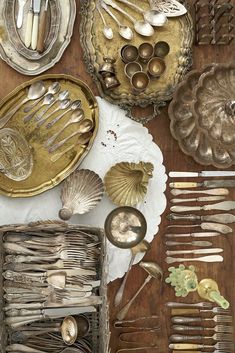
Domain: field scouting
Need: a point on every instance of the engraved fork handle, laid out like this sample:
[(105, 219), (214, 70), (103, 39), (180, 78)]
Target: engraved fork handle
[(185, 319), (182, 328), (185, 338), (188, 305)]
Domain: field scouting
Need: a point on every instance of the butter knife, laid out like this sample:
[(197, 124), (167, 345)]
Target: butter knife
[(192, 235), (204, 173), (220, 218), (36, 11), (207, 258), (193, 243), (195, 252), (20, 15), (204, 184), (216, 192), (224, 206), (198, 199), (221, 228), (29, 26)]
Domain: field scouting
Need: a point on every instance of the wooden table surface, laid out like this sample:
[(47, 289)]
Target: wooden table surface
[(153, 298)]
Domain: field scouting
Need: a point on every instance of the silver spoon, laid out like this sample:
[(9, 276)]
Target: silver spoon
[(53, 89), (47, 100), (107, 31), (36, 90), (74, 106), (64, 104), (141, 27), (154, 17), (62, 96), (76, 117), (124, 31)]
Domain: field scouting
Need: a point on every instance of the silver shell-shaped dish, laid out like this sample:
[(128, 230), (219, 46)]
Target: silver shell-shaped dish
[(12, 50), (202, 115)]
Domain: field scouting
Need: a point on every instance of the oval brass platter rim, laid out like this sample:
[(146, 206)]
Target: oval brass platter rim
[(65, 173), (129, 209)]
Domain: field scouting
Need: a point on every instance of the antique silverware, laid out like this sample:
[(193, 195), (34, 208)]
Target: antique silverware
[(223, 206), (136, 349), (141, 27), (73, 107), (36, 12), (52, 89), (193, 243), (63, 96), (204, 173), (154, 271), (227, 346), (107, 31), (48, 99), (192, 235), (142, 247), (80, 193), (42, 28), (21, 5), (189, 305), (215, 337), (63, 105), (36, 90), (204, 184), (221, 191), (198, 199), (128, 323), (29, 26), (171, 8), (216, 310), (220, 218), (124, 31), (217, 328), (73, 328), (186, 320), (221, 228), (195, 252), (209, 258)]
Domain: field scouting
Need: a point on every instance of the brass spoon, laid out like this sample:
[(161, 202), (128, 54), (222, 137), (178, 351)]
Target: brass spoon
[(85, 126), (74, 106), (48, 99), (154, 271), (142, 247), (36, 90), (53, 89)]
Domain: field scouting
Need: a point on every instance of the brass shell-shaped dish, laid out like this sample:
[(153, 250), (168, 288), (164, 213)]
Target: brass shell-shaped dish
[(81, 192), (126, 183)]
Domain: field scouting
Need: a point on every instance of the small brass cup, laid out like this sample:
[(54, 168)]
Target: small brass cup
[(139, 81), (161, 49), (146, 51), (156, 67), (129, 53), (131, 68)]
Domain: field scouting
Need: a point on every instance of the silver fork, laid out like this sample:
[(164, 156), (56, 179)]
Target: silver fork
[(216, 318), (215, 337), (217, 328), (216, 310), (227, 346), (189, 305)]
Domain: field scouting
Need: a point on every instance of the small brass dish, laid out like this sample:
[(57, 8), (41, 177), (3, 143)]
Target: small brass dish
[(161, 49), (156, 67), (140, 81), (129, 53), (74, 327), (145, 51), (131, 68), (125, 227)]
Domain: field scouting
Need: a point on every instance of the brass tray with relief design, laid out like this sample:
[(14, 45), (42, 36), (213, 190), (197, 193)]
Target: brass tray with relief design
[(47, 173), (178, 33)]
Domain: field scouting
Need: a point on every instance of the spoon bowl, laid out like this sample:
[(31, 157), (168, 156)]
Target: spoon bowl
[(155, 18), (153, 269), (144, 28), (85, 126), (125, 32)]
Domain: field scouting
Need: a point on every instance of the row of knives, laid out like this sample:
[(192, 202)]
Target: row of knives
[(35, 30)]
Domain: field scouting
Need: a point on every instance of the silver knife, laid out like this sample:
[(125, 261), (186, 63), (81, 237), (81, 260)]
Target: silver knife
[(205, 184), (204, 173), (216, 192), (193, 235), (220, 218), (193, 243), (199, 199), (224, 206), (36, 11), (20, 15), (195, 252), (221, 228)]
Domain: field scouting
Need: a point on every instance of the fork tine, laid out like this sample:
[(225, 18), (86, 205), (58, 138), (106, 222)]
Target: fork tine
[(222, 337)]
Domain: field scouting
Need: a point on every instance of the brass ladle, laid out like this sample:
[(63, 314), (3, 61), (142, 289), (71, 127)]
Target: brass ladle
[(142, 247), (154, 271)]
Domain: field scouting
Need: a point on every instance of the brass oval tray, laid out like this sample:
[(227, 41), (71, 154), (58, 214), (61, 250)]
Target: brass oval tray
[(178, 33), (18, 58), (16, 38), (45, 173)]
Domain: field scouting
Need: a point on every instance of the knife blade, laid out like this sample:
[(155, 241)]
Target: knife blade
[(29, 26), (223, 206), (221, 228), (193, 243), (216, 192), (36, 11), (192, 235), (195, 252), (206, 184), (203, 173), (198, 199), (42, 28), (20, 15), (220, 218)]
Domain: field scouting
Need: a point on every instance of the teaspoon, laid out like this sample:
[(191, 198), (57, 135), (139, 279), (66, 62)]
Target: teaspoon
[(64, 104), (124, 31), (107, 31), (141, 27), (53, 89), (36, 90), (47, 100), (74, 106)]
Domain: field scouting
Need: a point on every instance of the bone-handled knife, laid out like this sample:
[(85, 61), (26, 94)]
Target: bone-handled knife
[(29, 26), (199, 199), (224, 206), (221, 228), (36, 12), (204, 184), (20, 15), (195, 252), (220, 218), (216, 192), (204, 173), (193, 243), (192, 235)]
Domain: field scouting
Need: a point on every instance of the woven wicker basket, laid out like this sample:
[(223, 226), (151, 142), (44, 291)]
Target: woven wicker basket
[(100, 335)]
